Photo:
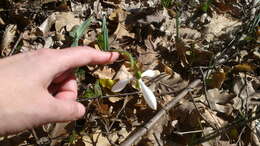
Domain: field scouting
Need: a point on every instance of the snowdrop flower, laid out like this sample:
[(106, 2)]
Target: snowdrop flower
[(147, 92)]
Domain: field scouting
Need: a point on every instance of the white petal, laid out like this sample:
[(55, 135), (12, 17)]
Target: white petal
[(150, 73), (120, 85), (148, 95)]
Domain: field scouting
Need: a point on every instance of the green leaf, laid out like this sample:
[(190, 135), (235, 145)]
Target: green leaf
[(166, 3), (130, 57), (72, 137), (78, 31), (93, 92), (103, 37), (205, 6)]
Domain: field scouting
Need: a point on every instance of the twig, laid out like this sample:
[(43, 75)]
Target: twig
[(108, 96), (135, 137), (35, 136), (187, 132)]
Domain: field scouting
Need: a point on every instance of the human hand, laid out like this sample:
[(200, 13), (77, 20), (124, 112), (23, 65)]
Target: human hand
[(38, 87)]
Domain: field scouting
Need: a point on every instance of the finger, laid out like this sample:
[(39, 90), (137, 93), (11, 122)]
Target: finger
[(65, 110), (63, 76), (68, 89), (79, 56)]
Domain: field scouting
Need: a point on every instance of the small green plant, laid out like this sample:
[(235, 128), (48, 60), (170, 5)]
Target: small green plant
[(78, 31), (103, 36), (166, 3), (94, 91), (206, 5)]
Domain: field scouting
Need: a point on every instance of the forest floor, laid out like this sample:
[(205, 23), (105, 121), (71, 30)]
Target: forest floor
[(203, 54)]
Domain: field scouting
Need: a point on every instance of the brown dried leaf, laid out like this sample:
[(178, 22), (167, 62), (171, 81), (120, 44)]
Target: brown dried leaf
[(219, 25), (220, 101), (122, 32), (118, 15), (123, 73), (8, 38), (66, 19), (47, 24), (217, 79), (243, 88), (181, 51), (104, 73), (199, 57), (244, 68), (97, 136)]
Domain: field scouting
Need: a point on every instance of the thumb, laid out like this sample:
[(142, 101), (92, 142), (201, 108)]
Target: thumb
[(66, 110)]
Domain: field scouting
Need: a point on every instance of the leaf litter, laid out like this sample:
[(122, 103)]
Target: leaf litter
[(215, 41)]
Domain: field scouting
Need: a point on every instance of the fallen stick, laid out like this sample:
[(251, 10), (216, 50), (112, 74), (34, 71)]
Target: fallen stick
[(135, 137)]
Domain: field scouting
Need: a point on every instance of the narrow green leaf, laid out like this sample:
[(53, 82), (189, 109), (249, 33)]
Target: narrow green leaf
[(103, 37), (205, 6), (166, 3), (72, 137), (78, 31), (93, 91)]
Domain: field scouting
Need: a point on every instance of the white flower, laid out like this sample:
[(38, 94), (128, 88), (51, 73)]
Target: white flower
[(147, 92)]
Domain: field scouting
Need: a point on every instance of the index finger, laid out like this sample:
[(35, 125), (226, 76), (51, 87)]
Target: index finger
[(61, 60)]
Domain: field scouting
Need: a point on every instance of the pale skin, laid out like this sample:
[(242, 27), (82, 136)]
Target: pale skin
[(39, 87)]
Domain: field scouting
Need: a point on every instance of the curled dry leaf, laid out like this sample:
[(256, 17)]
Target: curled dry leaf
[(61, 20), (244, 67), (123, 73), (181, 51), (217, 79), (122, 32), (186, 114), (104, 73), (243, 88), (8, 38), (220, 102), (47, 24), (219, 25), (66, 19), (118, 15)]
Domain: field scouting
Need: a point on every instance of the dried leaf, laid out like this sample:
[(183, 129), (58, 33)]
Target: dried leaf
[(123, 73), (8, 38), (217, 79), (122, 32), (47, 23), (181, 51), (219, 25), (118, 15), (66, 19), (243, 88), (104, 73), (244, 68)]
